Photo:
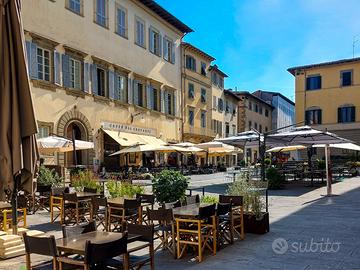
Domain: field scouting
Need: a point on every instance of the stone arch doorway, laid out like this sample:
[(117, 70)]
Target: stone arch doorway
[(75, 123)]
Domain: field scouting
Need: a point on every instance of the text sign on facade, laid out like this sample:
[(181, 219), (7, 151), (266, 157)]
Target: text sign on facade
[(128, 128)]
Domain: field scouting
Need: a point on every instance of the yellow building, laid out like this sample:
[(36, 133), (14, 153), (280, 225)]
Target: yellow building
[(106, 71), (196, 85), (328, 97)]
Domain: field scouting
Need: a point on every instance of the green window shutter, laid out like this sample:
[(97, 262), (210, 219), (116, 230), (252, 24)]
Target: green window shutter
[(166, 101), (174, 105), (151, 41), (111, 84), (162, 101), (33, 61), (148, 96), (86, 77), (136, 93), (66, 70), (165, 51), (57, 68), (94, 82), (116, 86), (172, 60), (160, 45), (129, 91)]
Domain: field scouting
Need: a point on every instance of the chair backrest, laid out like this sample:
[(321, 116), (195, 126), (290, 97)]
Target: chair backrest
[(71, 231), (96, 202), (131, 204), (22, 201), (223, 209), (91, 190), (160, 215), (95, 253), (146, 198), (235, 200), (172, 205), (70, 197), (58, 191), (146, 231), (40, 245), (207, 211), (43, 189), (192, 199)]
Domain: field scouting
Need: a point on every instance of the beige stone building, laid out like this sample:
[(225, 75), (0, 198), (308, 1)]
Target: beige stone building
[(253, 113), (196, 85), (105, 71)]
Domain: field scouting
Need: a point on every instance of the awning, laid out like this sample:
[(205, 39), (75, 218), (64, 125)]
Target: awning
[(130, 139)]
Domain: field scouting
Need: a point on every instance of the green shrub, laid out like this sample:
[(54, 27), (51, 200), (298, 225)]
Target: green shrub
[(169, 186), (242, 163), (85, 179), (275, 179), (49, 177), (209, 199), (117, 189)]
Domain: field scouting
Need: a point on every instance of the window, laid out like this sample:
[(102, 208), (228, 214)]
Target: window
[(203, 119), (121, 22), (227, 106), (44, 131), (313, 82), (256, 126), (203, 68), (191, 91), (266, 112), (190, 63), (140, 32), (191, 117), (138, 94), (220, 105), (154, 41), (227, 129), (75, 74), (121, 87), (256, 108), (221, 82), (101, 12), (101, 80), (75, 6), (346, 77), (260, 109), (170, 104), (250, 105), (155, 94), (313, 117), (43, 63), (169, 50), (346, 114), (203, 95)]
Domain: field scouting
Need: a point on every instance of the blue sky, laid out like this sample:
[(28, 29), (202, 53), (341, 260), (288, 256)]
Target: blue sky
[(255, 41)]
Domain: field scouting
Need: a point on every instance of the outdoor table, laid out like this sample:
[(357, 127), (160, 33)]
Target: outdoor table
[(119, 203), (86, 195), (76, 244), (190, 211), (196, 188)]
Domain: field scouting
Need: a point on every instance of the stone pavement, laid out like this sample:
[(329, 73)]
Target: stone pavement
[(307, 231)]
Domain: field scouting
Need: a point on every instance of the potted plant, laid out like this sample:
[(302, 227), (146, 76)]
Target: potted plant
[(123, 189), (169, 186), (48, 178), (256, 220), (209, 199), (275, 179), (85, 179)]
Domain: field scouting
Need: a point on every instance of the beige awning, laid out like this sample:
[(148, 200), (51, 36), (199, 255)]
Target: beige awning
[(130, 139)]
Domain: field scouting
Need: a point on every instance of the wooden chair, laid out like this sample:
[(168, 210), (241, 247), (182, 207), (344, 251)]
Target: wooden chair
[(6, 215), (146, 241), (237, 213), (57, 204), (225, 233), (74, 209), (42, 198), (70, 231), (199, 232), (192, 199), (99, 255), (42, 246), (148, 200), (98, 211), (164, 228), (128, 213)]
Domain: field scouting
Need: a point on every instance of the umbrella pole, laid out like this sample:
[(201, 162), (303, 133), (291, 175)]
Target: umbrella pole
[(14, 213), (328, 178)]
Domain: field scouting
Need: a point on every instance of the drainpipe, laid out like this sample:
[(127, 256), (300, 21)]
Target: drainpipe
[(182, 93)]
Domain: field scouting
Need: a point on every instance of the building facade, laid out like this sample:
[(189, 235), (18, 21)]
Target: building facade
[(283, 114), (253, 113), (196, 89), (328, 97), (105, 71)]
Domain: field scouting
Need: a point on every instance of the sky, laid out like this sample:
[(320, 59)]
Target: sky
[(256, 41)]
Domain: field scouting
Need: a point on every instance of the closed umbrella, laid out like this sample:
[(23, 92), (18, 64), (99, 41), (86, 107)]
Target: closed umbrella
[(18, 149), (55, 144)]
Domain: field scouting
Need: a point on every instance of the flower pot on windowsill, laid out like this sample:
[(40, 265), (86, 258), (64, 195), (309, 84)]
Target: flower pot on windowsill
[(253, 224)]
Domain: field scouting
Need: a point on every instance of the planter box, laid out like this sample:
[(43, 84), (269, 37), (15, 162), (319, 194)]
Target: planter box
[(253, 225)]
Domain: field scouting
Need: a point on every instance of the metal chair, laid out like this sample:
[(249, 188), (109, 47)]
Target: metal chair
[(237, 213), (99, 255)]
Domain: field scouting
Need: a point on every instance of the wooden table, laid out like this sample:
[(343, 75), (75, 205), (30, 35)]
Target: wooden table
[(119, 203), (76, 245), (86, 195), (190, 211)]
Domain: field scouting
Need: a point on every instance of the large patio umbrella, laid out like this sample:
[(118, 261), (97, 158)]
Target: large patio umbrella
[(137, 148), (286, 148), (18, 150), (55, 144), (184, 144)]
